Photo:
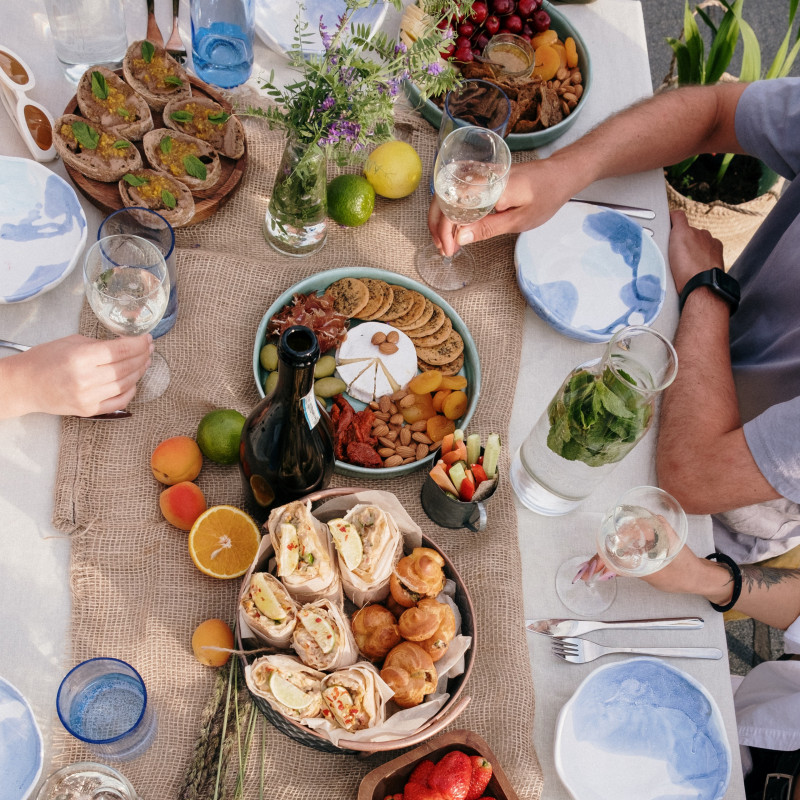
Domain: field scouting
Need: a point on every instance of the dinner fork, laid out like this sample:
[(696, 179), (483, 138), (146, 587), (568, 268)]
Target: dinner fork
[(579, 651), (175, 46)]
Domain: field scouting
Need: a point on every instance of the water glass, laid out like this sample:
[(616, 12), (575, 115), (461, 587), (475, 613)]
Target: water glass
[(222, 40), (86, 33), (149, 225), (103, 702)]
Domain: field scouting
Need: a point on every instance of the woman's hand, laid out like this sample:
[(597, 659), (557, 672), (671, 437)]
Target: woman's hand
[(74, 375)]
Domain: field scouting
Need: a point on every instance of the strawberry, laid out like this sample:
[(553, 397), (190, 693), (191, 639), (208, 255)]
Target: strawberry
[(451, 776), (416, 791), (397, 796), (481, 775), (422, 772)]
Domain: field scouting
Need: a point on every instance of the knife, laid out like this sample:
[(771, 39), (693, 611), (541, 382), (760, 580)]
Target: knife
[(559, 628), (630, 211)]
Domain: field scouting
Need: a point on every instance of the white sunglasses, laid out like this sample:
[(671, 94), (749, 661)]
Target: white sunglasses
[(33, 121)]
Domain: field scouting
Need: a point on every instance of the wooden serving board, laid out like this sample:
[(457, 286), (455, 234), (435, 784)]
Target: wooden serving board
[(106, 196)]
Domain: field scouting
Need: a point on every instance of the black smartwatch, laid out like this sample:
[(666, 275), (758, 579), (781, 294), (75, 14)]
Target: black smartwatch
[(722, 284)]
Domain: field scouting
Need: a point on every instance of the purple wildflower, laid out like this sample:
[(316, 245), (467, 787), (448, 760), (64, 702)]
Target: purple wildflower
[(434, 69), (327, 103), (323, 32), (400, 49)]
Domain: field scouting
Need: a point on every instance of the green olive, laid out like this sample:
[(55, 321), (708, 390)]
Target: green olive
[(269, 357), (271, 382), (328, 387), (324, 367)]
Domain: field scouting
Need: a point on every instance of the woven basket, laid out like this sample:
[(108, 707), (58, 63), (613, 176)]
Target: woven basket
[(444, 717)]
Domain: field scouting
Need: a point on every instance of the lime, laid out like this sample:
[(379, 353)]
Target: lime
[(218, 435), (351, 199), (289, 550), (265, 599), (318, 627), (347, 542), (394, 169), (287, 693)]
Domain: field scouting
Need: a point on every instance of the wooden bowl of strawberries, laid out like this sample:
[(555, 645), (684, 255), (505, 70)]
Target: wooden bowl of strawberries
[(456, 764)]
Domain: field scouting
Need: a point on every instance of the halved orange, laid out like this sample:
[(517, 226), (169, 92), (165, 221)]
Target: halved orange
[(223, 542)]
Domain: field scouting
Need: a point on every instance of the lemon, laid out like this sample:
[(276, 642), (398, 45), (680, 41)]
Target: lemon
[(394, 169), (287, 693), (218, 435), (265, 599), (347, 542), (350, 200)]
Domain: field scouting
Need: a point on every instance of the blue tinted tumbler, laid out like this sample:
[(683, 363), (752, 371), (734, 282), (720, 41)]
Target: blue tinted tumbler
[(222, 40)]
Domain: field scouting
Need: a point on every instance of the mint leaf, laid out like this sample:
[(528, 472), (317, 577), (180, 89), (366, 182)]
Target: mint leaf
[(195, 167), (86, 135), (168, 199), (166, 144), (219, 118), (134, 180), (181, 116), (121, 144), (123, 112), (99, 86), (147, 51), (173, 80)]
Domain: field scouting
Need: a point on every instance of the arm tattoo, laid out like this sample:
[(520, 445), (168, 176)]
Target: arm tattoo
[(764, 577)]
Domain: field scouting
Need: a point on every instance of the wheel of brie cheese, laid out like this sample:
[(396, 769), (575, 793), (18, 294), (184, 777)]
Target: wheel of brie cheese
[(370, 373)]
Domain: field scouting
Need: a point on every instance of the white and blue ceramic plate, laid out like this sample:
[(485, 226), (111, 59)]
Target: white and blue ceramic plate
[(42, 229), (642, 729), (20, 745), (589, 271), (275, 21)]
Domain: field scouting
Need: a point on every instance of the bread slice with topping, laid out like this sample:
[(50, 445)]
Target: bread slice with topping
[(193, 162), (159, 192), (97, 152), (205, 119), (152, 72), (105, 98)]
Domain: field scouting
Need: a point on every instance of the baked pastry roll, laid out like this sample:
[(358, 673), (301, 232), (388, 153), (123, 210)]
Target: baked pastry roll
[(289, 686), (368, 545), (375, 631), (304, 553), (352, 699), (431, 625), (410, 673), (269, 610), (417, 575), (322, 637)]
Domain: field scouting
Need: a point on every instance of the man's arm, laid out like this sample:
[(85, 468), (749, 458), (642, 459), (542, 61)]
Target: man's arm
[(662, 130), (702, 455)]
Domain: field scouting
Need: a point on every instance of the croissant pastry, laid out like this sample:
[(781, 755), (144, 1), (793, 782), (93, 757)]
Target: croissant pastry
[(431, 624), (416, 576), (375, 630), (410, 673)]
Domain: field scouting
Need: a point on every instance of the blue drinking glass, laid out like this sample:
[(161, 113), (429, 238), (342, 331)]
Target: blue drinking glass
[(222, 40)]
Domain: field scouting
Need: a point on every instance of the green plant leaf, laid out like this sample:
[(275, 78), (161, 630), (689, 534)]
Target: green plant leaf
[(99, 86), (87, 136), (695, 48), (134, 180), (219, 118), (121, 144), (751, 54), (147, 51), (123, 112), (173, 80), (168, 199), (195, 167), (182, 116), (723, 44), (790, 59), (166, 145)]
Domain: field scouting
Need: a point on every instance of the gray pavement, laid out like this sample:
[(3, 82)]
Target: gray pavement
[(663, 18)]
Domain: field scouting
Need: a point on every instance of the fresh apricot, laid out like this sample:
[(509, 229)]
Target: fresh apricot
[(439, 398), (548, 61), (455, 405), (438, 427), (175, 460), (212, 642), (181, 504), (454, 382), (426, 382)]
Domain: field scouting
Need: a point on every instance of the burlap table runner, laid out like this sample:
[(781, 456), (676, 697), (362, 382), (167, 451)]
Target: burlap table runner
[(137, 595)]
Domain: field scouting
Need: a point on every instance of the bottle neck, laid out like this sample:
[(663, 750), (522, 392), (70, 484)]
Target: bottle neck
[(294, 381)]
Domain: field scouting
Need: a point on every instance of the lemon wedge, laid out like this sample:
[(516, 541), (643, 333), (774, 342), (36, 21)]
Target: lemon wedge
[(287, 693), (289, 550), (265, 599), (347, 542), (319, 628)]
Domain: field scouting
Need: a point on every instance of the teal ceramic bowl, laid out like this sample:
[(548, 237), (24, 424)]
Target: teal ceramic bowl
[(318, 283), (525, 141)]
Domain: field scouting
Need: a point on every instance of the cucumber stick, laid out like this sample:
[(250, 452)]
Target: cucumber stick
[(491, 454), (473, 448)]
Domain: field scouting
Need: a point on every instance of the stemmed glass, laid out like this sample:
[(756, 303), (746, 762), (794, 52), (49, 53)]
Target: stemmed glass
[(470, 174), (640, 535), (126, 282)]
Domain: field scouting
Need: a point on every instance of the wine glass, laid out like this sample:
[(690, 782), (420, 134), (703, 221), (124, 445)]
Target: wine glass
[(640, 535), (126, 282), (470, 174)]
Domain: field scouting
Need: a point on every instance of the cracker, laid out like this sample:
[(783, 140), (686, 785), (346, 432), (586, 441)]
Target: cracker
[(436, 338), (402, 302), (453, 368), (377, 295), (350, 295), (423, 319), (388, 297), (450, 349), (413, 314), (432, 325)]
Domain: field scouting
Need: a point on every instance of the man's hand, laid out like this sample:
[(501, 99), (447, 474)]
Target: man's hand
[(74, 375), (691, 250)]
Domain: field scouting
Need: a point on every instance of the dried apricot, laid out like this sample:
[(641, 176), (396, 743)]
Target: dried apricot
[(545, 37), (572, 52), (454, 382), (438, 427), (422, 409), (439, 398), (426, 382), (548, 61), (455, 405)]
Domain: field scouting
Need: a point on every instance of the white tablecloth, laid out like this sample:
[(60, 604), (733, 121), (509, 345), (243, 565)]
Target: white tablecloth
[(34, 590)]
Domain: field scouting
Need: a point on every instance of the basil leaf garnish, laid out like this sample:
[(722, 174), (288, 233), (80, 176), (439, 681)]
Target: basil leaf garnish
[(121, 144), (166, 144), (134, 180), (173, 80), (219, 118), (99, 86), (86, 135), (168, 199), (195, 167), (182, 116), (147, 51)]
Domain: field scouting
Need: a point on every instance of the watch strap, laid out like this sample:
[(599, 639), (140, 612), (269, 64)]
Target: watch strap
[(722, 284)]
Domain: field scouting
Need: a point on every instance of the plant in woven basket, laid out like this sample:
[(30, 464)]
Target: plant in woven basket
[(342, 100)]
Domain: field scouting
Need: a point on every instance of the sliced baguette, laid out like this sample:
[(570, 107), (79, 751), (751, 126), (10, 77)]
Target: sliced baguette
[(103, 162), (172, 157), (196, 115), (177, 207), (105, 98), (155, 74)]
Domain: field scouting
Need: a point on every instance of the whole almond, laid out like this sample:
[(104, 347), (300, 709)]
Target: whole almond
[(373, 404), (570, 97), (388, 348), (576, 76), (405, 436), (562, 73), (392, 435), (379, 337), (422, 438), (422, 451), (577, 91), (398, 395), (396, 419), (405, 451), (386, 441), (409, 460), (385, 452), (407, 401), (385, 404), (565, 108), (383, 416), (556, 85), (393, 461), (393, 337), (392, 408), (419, 425), (380, 430)]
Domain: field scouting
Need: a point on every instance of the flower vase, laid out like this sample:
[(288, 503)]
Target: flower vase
[(296, 219)]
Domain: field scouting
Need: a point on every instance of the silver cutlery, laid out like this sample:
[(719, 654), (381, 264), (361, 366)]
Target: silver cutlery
[(15, 345), (579, 651), (577, 627), (629, 211)]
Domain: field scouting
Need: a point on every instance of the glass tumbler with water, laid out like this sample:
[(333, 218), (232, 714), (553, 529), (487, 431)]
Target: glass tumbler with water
[(103, 702), (222, 40), (602, 410)]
